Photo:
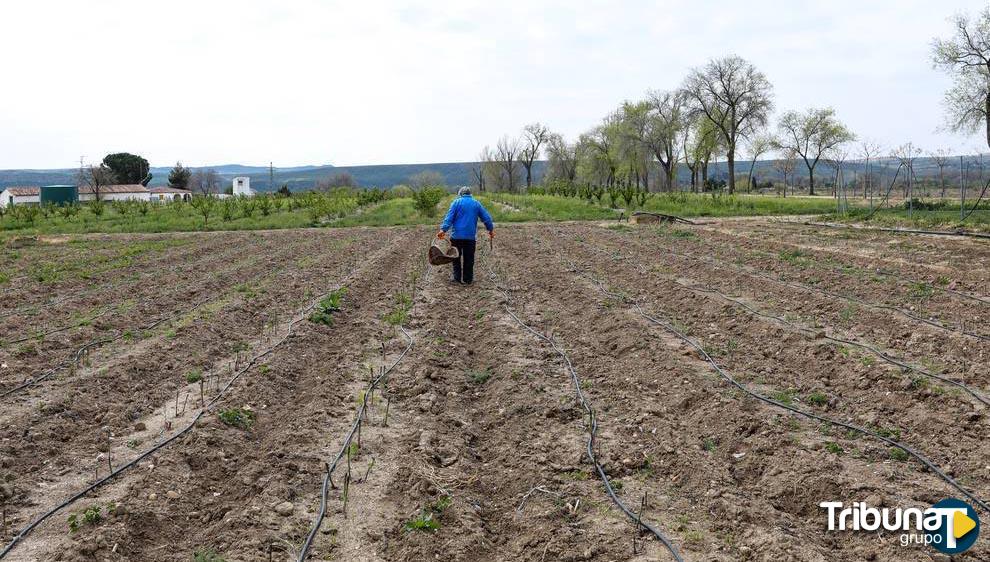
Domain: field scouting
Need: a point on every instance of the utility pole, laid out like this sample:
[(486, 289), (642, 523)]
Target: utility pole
[(271, 176)]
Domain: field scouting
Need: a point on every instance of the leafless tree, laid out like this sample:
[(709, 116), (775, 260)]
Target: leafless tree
[(506, 159), (735, 96), (906, 154), (206, 182), (868, 150), (96, 178), (535, 136), (786, 165), (941, 158), (759, 144), (967, 56), (479, 168), (426, 178), (340, 179)]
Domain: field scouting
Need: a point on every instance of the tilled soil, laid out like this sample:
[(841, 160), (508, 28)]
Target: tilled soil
[(474, 446)]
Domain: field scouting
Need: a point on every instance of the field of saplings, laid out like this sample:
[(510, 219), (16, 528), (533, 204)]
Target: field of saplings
[(604, 391)]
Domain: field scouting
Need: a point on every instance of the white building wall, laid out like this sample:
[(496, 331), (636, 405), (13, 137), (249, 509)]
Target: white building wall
[(145, 196), (242, 186), (6, 199)]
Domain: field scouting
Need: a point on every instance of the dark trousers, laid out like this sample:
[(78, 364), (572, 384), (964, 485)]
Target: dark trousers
[(464, 265)]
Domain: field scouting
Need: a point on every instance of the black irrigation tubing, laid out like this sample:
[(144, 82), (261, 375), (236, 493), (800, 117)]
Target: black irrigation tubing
[(793, 409), (328, 475), (302, 314), (977, 204), (592, 427), (856, 300), (960, 232), (78, 354), (886, 195), (883, 355)]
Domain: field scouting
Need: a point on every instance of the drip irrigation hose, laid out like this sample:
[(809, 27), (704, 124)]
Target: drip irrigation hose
[(302, 314), (855, 300), (793, 409), (977, 204), (327, 482), (965, 233), (883, 355), (886, 195), (592, 426), (78, 354)]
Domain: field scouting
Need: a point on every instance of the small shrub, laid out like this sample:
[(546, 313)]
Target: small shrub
[(326, 307), (426, 200), (237, 417), (479, 377)]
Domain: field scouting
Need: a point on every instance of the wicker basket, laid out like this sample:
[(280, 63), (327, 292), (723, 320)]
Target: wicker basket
[(441, 256)]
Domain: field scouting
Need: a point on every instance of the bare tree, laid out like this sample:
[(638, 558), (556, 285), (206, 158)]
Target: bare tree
[(735, 96), (561, 159), (906, 154), (340, 179), (811, 135), (868, 150), (967, 56), (426, 178), (206, 182), (506, 158), (941, 158), (759, 144), (785, 165), (534, 137), (479, 168), (96, 178)]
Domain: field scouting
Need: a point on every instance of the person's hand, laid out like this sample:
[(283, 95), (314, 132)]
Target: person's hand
[(491, 233), (441, 234)]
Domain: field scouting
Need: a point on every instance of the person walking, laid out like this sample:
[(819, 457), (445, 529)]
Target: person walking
[(462, 219)]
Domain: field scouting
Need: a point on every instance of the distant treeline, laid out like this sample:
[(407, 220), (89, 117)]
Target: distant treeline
[(302, 178)]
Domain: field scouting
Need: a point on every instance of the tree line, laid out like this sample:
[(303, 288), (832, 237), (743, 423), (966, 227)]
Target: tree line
[(723, 110)]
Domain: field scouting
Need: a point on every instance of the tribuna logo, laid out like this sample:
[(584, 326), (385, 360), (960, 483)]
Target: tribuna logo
[(950, 526)]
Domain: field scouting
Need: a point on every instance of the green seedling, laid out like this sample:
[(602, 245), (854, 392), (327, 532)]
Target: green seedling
[(423, 522), (708, 444), (833, 448), (194, 376), (237, 417), (327, 306), (817, 398), (898, 454), (479, 377), (207, 555)]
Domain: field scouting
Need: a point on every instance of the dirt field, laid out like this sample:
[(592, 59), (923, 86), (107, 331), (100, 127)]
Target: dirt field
[(736, 374)]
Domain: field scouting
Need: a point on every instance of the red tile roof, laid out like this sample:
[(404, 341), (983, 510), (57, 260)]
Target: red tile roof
[(23, 190)]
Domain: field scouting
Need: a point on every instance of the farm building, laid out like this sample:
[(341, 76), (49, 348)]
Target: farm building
[(166, 194), (242, 186), (31, 195), (20, 195)]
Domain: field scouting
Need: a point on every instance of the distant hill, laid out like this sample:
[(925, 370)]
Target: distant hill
[(455, 173)]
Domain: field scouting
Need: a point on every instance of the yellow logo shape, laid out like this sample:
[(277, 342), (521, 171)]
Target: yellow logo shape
[(962, 524)]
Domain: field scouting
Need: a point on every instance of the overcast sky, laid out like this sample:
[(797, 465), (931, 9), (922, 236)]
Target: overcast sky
[(377, 82)]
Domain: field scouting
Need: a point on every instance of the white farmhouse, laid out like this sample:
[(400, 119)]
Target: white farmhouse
[(242, 186), (31, 195), (165, 194), (20, 195), (134, 192)]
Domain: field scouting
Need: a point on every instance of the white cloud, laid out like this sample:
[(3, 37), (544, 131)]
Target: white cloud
[(313, 81)]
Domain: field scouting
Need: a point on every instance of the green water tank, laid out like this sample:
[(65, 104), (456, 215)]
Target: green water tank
[(59, 194)]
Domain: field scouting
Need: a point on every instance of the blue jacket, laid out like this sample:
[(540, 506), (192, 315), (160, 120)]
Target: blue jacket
[(463, 217)]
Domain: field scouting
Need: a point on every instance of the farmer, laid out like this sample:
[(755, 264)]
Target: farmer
[(463, 218)]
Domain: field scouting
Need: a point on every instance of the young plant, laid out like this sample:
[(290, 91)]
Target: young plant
[(327, 306), (237, 417)]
